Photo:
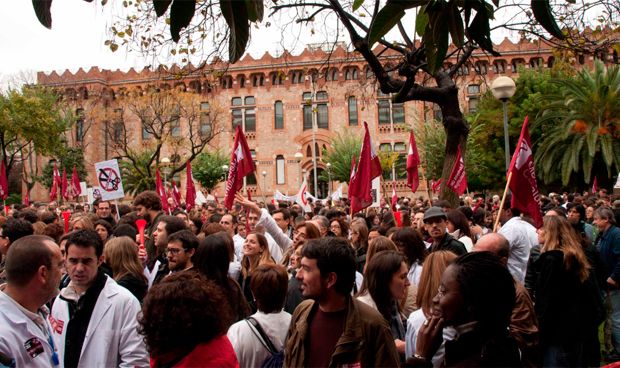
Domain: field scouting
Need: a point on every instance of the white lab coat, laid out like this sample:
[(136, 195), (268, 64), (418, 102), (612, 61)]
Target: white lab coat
[(16, 329), (112, 338)]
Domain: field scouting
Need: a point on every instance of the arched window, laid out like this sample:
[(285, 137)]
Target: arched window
[(353, 119), (280, 178), (278, 109)]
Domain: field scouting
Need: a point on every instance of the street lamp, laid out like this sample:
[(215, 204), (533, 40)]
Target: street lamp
[(329, 176), (225, 169), (264, 174), (503, 88)]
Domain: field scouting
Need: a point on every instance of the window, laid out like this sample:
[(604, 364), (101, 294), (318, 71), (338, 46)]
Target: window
[(536, 62), (79, 125), (351, 74), (384, 111), (277, 78), (175, 124), (481, 67), (385, 147), (146, 133), (472, 105), (516, 63), (278, 115), (297, 76), (400, 166), (118, 131), (258, 80), (320, 108), (244, 113), (353, 120), (205, 119), (398, 113), (499, 66), (473, 89), (332, 74), (280, 169), (226, 82), (251, 178), (241, 80)]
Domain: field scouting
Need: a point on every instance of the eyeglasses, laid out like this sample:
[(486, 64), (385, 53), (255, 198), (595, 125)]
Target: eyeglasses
[(441, 292), (174, 250)]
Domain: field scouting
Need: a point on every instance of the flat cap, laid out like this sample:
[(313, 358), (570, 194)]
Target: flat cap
[(434, 212)]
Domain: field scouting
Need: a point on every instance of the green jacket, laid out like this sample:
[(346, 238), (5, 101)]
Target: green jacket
[(366, 340)]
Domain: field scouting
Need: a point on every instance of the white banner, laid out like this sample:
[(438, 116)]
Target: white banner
[(376, 192), (109, 180)]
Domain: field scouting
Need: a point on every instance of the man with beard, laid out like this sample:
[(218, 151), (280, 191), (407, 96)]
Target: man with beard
[(181, 247), (436, 223), (148, 206), (166, 225)]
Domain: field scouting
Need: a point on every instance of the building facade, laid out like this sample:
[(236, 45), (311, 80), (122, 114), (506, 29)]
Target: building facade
[(277, 100)]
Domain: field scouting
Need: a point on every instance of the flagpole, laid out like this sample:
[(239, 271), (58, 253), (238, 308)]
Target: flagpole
[(118, 214), (501, 204)]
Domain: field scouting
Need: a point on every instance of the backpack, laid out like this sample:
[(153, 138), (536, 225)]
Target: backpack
[(276, 358)]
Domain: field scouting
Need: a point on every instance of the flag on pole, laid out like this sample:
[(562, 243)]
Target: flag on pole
[(76, 188), (161, 191), (394, 196), (190, 188), (436, 185), (594, 186), (367, 169), (525, 195), (4, 184), (176, 195), (458, 177), (241, 164), (55, 183), (302, 197), (413, 160), (64, 185)]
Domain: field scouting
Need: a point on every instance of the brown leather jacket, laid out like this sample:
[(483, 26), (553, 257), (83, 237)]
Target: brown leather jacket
[(366, 339)]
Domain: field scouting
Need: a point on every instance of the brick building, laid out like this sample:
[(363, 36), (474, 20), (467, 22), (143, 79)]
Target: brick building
[(276, 100)]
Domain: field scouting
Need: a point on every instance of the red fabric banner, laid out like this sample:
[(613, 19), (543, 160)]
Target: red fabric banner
[(241, 164), (367, 169), (458, 177), (413, 160), (190, 188)]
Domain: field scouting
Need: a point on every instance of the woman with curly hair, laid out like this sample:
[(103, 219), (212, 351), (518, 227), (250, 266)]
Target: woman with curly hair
[(121, 254), (255, 253), (183, 321)]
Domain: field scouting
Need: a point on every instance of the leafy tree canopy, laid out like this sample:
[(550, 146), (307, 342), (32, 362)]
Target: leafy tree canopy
[(208, 169), (66, 159), (342, 149)]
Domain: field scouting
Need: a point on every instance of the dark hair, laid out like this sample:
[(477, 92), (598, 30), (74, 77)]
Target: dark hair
[(182, 311), (187, 239), (105, 224), (149, 199), (209, 228), (579, 208), (467, 211), (129, 219), (29, 215), (14, 229), (410, 243), (378, 276), (344, 226), (212, 259), (269, 284), (125, 230), (173, 224), (333, 255), (24, 258), (478, 216), (54, 231), (48, 217), (459, 220), (312, 231), (286, 215), (488, 290), (85, 238)]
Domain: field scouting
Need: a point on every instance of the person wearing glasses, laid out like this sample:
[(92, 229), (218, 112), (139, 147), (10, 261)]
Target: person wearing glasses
[(94, 320), (33, 269), (181, 247), (157, 268)]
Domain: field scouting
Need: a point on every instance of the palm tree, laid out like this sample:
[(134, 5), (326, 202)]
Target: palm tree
[(136, 176), (581, 125)]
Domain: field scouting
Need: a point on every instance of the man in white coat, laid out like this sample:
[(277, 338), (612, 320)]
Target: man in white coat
[(33, 271), (95, 319)]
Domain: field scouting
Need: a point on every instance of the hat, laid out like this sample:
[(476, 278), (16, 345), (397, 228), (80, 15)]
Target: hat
[(616, 203), (434, 212)]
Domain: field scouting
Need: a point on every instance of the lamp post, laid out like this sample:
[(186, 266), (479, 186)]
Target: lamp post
[(225, 169), (298, 157), (264, 174), (503, 88), (329, 177)]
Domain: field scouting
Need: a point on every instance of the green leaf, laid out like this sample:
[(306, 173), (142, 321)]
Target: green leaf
[(181, 14), (388, 17), (237, 19), (480, 32), (436, 41), (421, 21), (357, 4), (544, 15), (161, 6), (42, 10), (255, 10), (456, 26)]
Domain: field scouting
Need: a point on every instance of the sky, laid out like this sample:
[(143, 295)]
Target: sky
[(77, 37)]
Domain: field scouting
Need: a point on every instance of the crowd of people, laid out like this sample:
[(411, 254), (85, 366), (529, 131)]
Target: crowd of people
[(424, 284)]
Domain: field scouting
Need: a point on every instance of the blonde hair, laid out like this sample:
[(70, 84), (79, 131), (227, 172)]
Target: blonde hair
[(121, 254), (86, 221), (430, 279), (559, 235), (249, 264)]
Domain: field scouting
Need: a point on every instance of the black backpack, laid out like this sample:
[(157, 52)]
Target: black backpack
[(276, 359)]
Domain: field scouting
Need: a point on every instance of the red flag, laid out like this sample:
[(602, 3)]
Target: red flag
[(55, 183), (241, 164), (458, 177), (75, 183), (525, 195), (368, 168), (64, 185), (161, 191), (436, 185), (190, 188), (176, 195), (413, 160), (26, 199), (4, 184), (394, 196), (594, 186)]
